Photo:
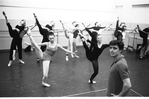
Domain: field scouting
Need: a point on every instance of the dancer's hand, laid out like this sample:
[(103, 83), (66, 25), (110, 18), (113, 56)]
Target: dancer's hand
[(117, 18), (61, 22), (4, 13), (34, 15)]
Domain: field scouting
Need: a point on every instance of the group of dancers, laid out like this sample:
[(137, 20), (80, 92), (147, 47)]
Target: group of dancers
[(93, 48), (48, 46)]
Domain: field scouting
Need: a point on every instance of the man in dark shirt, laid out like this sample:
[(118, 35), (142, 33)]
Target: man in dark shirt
[(119, 82)]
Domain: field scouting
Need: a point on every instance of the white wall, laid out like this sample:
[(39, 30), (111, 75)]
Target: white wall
[(87, 11)]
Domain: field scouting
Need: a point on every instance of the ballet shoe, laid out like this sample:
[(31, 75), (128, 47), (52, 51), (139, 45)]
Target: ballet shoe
[(72, 55), (45, 84), (21, 62), (9, 64), (67, 58), (76, 56), (91, 82)]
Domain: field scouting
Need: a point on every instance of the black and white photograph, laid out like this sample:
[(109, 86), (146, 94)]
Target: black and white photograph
[(74, 48)]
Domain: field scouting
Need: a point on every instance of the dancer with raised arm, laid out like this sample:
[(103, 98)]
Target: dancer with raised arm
[(144, 35), (92, 53), (69, 34), (94, 33), (119, 30), (17, 35), (46, 56), (44, 31)]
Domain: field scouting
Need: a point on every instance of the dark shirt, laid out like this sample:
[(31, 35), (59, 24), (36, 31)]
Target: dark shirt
[(147, 31), (118, 72), (118, 30), (43, 32), (13, 32), (96, 51), (75, 33)]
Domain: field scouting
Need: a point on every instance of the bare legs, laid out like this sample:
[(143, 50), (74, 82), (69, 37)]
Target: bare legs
[(45, 73), (45, 63)]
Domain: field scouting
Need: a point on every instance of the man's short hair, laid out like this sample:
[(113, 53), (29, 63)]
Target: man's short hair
[(120, 44)]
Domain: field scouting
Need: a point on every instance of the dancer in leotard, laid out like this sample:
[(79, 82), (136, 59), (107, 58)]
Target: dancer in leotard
[(94, 33), (69, 34), (144, 35), (92, 53), (119, 30), (46, 56), (16, 35), (75, 34), (44, 32)]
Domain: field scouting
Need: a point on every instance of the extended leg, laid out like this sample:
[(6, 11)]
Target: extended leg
[(38, 51)]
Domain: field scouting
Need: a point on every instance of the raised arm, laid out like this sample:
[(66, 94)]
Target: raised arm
[(38, 24), (5, 17), (65, 31)]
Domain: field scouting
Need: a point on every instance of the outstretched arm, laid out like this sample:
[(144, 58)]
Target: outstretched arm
[(107, 27), (64, 49)]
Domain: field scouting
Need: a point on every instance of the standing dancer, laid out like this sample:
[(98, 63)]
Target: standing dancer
[(16, 35), (145, 43), (46, 56), (70, 36), (119, 30), (75, 34), (93, 53)]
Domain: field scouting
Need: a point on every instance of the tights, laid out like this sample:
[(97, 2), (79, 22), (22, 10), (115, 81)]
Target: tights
[(92, 55), (16, 42)]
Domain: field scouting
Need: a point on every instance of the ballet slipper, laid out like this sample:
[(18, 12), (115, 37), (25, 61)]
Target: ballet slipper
[(22, 62), (45, 84), (92, 82), (9, 64), (67, 59)]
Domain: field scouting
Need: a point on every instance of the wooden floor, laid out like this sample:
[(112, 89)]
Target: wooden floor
[(68, 79)]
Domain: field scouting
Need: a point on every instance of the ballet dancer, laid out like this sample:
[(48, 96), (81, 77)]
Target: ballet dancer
[(94, 33), (44, 31), (144, 35), (69, 34), (16, 35), (75, 34), (119, 30), (93, 53), (51, 48)]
